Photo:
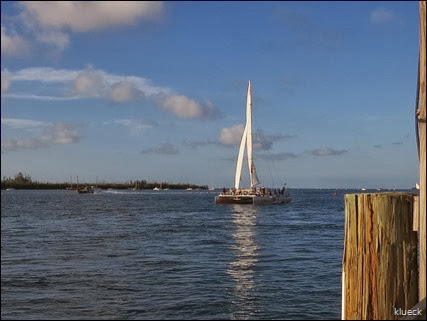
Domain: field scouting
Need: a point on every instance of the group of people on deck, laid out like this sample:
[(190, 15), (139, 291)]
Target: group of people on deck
[(260, 191)]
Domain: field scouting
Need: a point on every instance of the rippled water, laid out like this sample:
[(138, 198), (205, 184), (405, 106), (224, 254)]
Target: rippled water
[(169, 255)]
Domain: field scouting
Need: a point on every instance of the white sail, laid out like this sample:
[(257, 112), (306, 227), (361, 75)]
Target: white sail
[(246, 141), (254, 196), (252, 171), (239, 164)]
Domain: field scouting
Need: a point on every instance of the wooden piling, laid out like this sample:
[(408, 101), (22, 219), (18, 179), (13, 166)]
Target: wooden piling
[(379, 270), (421, 118)]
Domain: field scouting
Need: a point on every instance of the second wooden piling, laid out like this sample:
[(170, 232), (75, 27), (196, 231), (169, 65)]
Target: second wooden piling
[(380, 271)]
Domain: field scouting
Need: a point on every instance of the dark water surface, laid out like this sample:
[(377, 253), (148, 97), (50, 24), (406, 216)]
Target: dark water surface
[(169, 255)]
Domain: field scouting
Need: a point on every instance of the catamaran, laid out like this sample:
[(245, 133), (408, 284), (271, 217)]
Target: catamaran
[(253, 194)]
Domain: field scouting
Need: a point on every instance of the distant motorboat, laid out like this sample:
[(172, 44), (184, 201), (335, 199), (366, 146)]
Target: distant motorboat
[(86, 190)]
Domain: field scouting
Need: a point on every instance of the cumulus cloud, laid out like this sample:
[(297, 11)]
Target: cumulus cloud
[(182, 106), (124, 91), (56, 38), (88, 83), (167, 149), (12, 44), (53, 22), (382, 15), (231, 135), (22, 143), (61, 134), (327, 151), (83, 16), (56, 133), (185, 107), (94, 83)]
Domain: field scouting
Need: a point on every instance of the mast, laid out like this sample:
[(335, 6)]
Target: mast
[(252, 172)]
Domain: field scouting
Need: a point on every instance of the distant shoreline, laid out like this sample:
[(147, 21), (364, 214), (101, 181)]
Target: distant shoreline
[(139, 185)]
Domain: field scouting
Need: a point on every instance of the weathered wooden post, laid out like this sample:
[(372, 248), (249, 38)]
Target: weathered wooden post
[(421, 119), (379, 269)]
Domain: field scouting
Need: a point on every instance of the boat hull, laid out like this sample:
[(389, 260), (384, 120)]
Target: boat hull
[(251, 199), (234, 199)]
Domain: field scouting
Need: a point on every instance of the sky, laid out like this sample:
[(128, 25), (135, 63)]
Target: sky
[(118, 91)]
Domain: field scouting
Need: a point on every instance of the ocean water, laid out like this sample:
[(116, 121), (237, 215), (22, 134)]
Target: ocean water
[(163, 255)]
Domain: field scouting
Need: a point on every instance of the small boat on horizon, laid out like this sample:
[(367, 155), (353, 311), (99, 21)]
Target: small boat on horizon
[(86, 190)]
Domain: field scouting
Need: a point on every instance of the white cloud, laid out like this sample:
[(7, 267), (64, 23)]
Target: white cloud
[(43, 74), (22, 143), (382, 15), (185, 107), (182, 106), (83, 16), (53, 37), (57, 133), (61, 134), (12, 44), (261, 141), (52, 22), (91, 82), (124, 91), (231, 135), (5, 82), (22, 123), (39, 97), (88, 83)]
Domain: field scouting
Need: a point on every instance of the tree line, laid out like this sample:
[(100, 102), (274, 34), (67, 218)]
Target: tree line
[(24, 181)]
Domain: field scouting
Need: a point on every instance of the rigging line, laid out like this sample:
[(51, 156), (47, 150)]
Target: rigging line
[(270, 160)]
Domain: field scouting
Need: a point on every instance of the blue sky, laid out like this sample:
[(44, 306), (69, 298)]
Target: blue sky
[(117, 91)]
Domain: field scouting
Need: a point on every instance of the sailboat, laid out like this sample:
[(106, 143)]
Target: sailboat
[(254, 194)]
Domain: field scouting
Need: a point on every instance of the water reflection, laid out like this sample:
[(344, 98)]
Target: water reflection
[(241, 270)]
